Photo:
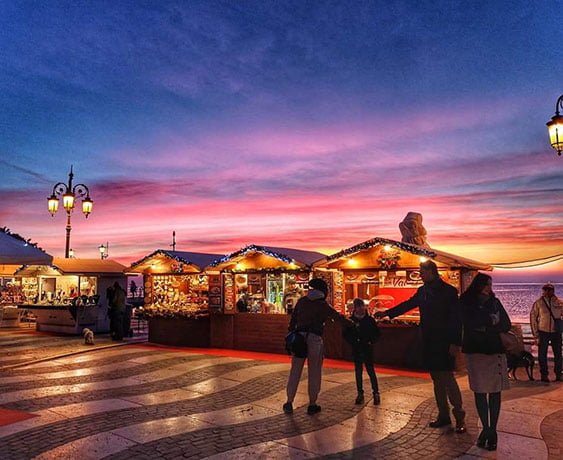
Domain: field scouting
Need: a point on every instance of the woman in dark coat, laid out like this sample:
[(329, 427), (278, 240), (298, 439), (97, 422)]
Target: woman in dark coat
[(362, 334), (484, 318)]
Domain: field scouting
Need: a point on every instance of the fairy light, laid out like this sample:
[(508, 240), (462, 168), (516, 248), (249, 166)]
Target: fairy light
[(381, 242)]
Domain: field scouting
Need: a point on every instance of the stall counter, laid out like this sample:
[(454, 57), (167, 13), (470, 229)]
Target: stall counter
[(67, 319)]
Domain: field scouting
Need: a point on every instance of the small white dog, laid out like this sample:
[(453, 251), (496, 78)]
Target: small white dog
[(88, 336)]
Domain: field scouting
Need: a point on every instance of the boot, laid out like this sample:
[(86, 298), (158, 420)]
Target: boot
[(376, 399)]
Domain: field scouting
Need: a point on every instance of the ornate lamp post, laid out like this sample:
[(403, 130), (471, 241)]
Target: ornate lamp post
[(555, 127), (104, 251), (68, 193)]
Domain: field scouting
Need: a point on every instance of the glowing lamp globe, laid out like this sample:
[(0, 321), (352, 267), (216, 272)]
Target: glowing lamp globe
[(68, 201), (87, 205), (53, 204), (555, 129)]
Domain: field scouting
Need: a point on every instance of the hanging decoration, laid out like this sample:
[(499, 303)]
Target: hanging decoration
[(389, 259), (177, 267)]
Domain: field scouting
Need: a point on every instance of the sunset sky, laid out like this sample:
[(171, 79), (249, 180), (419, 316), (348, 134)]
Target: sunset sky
[(314, 125)]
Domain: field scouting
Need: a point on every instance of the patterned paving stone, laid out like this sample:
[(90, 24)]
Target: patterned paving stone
[(172, 407)]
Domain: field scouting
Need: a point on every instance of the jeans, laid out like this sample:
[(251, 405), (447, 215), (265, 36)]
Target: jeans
[(545, 339), (358, 365)]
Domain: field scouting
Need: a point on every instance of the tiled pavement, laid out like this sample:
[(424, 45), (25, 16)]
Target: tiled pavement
[(147, 402)]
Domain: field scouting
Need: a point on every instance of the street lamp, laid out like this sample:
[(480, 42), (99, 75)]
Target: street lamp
[(68, 194), (104, 251), (555, 127)]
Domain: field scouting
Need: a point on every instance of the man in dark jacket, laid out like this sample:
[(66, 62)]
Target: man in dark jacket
[(308, 318), (440, 324)]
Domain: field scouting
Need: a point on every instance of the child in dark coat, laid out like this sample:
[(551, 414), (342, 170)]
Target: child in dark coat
[(362, 335)]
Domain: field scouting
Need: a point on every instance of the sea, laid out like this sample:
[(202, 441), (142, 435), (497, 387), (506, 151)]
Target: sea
[(518, 298)]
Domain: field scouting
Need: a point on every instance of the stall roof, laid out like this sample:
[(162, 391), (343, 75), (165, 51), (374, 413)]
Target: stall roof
[(446, 258), (8, 270), (199, 260), (16, 250), (286, 255), (76, 267)]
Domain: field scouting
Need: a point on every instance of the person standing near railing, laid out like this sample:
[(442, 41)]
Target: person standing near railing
[(543, 321)]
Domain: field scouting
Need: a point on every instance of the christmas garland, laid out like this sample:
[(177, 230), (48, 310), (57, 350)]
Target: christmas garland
[(382, 242), (252, 248)]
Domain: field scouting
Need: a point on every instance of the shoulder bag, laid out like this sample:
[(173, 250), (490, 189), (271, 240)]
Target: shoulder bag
[(296, 344), (558, 322), (511, 343)]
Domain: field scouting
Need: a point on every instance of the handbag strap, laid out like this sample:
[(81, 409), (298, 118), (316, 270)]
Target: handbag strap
[(549, 309)]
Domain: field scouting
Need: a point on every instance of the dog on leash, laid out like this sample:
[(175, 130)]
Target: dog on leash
[(88, 336), (523, 359)]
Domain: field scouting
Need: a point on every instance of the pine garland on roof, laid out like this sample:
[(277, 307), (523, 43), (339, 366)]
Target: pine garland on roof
[(252, 248), (382, 242), (164, 253)]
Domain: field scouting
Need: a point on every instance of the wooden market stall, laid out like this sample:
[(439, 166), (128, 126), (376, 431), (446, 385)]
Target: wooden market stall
[(70, 294), (260, 287), (384, 273), (10, 296), (15, 251), (177, 296)]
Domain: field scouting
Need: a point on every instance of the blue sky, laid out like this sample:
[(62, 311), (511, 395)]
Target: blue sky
[(312, 124)]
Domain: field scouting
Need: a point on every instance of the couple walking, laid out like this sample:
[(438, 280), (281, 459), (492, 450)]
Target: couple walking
[(476, 322), (441, 322)]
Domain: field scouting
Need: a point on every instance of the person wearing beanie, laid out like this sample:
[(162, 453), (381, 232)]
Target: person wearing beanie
[(545, 311), (308, 318)]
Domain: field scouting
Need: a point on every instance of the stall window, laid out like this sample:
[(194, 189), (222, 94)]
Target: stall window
[(88, 285)]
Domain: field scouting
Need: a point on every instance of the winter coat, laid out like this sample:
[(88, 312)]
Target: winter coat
[(361, 334), (440, 322), (483, 321), (119, 299), (311, 313), (540, 319)]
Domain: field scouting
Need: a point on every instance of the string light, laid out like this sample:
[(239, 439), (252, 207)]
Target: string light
[(161, 252), (382, 242), (252, 248)]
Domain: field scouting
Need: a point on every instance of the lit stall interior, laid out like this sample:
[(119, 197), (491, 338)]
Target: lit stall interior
[(70, 294), (264, 279), (385, 272), (174, 282), (10, 290)]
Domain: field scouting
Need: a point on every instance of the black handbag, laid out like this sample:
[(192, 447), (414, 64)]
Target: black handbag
[(296, 344)]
